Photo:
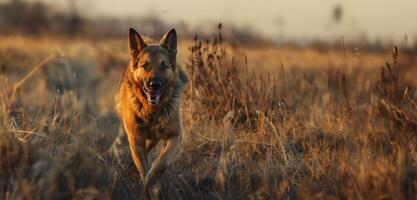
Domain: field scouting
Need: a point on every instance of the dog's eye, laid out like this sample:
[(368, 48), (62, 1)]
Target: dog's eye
[(144, 65), (164, 65)]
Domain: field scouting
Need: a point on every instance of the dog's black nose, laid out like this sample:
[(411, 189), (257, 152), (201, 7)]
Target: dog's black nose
[(155, 84)]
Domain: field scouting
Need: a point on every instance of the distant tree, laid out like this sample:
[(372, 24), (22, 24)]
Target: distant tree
[(36, 20), (337, 13), (75, 21)]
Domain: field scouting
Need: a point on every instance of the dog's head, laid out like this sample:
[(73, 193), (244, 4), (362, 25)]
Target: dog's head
[(153, 65)]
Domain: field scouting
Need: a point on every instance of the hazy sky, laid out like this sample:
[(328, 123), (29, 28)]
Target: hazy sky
[(391, 19)]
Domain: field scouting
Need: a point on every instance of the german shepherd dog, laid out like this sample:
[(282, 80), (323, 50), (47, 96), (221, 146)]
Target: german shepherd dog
[(148, 103)]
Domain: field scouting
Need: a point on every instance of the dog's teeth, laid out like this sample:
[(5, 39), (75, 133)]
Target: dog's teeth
[(153, 100)]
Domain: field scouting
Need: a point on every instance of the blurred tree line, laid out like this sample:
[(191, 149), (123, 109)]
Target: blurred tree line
[(34, 17)]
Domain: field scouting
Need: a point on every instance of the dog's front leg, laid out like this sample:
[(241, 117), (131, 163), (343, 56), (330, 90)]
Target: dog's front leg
[(138, 150), (166, 157), (150, 144)]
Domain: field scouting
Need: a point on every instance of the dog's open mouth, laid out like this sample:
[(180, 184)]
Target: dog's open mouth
[(153, 96)]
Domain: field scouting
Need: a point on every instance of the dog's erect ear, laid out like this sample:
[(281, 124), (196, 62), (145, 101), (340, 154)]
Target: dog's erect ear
[(136, 43), (169, 42)]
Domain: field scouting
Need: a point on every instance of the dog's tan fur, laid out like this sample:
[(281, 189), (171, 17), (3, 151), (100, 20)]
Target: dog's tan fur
[(144, 124)]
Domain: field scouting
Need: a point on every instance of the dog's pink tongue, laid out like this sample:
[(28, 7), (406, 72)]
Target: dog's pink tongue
[(153, 97), (155, 94)]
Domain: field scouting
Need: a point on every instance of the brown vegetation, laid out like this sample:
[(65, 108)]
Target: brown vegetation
[(276, 123)]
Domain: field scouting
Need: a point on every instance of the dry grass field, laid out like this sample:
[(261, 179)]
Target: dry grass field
[(260, 123)]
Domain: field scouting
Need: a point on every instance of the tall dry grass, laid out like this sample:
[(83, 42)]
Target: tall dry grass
[(257, 126)]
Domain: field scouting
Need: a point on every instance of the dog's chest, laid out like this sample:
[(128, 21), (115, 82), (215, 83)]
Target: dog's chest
[(158, 132), (152, 130)]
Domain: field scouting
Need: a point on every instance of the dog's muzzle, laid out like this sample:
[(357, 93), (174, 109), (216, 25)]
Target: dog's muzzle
[(153, 90)]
